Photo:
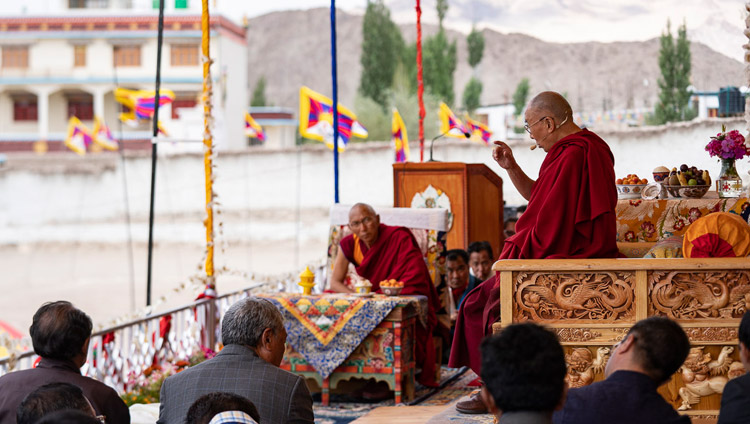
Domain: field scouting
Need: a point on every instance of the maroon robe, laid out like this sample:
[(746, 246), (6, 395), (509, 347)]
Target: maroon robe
[(571, 214), (396, 255)]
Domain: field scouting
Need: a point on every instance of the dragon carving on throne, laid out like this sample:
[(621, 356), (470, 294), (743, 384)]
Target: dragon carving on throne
[(702, 376)]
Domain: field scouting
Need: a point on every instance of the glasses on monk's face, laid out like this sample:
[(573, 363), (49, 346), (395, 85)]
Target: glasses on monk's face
[(102, 419), (364, 221), (527, 127)]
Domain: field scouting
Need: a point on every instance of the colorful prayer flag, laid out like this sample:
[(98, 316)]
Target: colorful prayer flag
[(450, 125), (79, 137), (102, 136), (253, 129), (316, 120), (400, 138), (141, 102), (478, 129)]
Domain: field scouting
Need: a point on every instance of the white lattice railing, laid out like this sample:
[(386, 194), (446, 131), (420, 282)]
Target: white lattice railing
[(121, 355)]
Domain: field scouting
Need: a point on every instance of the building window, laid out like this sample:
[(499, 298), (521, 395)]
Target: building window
[(180, 4), (25, 108), (184, 54), (127, 55), (79, 56), (15, 57), (88, 4), (178, 104), (76, 4), (82, 107)]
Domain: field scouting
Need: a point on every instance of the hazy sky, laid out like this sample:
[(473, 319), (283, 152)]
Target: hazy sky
[(718, 23)]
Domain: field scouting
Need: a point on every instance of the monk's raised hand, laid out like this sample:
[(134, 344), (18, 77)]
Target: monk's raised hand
[(503, 155)]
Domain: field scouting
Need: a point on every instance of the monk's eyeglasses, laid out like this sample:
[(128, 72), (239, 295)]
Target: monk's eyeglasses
[(364, 221), (527, 127)]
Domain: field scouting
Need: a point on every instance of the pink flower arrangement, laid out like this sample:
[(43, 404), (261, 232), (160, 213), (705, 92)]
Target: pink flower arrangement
[(728, 145)]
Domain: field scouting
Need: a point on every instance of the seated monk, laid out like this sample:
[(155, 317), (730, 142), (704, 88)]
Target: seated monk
[(381, 252), (571, 214)]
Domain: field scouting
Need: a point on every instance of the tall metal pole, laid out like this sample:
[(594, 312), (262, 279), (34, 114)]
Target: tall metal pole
[(420, 83), (335, 105), (208, 147), (157, 99)]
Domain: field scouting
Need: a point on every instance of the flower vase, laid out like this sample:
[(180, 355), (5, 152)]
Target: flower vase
[(729, 183)]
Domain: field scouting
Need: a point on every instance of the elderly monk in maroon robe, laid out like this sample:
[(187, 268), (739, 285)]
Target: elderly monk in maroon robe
[(381, 252), (571, 214)]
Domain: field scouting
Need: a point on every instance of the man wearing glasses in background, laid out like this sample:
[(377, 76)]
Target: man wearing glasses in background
[(571, 214), (382, 252)]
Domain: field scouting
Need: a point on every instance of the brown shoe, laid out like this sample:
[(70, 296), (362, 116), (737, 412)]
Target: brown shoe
[(472, 406)]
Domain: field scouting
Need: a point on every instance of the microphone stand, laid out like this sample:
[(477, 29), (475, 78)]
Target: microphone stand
[(467, 135)]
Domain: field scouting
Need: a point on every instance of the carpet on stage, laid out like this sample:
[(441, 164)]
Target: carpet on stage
[(345, 408)]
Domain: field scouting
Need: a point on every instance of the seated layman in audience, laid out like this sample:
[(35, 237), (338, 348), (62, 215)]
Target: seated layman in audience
[(223, 406), (68, 416), (646, 358), (481, 259), (50, 398), (459, 280), (523, 369), (253, 335), (60, 335), (735, 401)]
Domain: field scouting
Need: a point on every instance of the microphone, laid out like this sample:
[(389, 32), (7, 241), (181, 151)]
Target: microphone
[(466, 134)]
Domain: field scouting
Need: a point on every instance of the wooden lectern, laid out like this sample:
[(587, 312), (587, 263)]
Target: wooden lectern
[(475, 193)]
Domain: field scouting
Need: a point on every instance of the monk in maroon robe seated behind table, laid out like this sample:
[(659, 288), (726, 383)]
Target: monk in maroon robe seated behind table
[(381, 252), (571, 214)]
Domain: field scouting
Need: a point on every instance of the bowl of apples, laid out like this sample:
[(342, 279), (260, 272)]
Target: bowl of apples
[(391, 287), (630, 187)]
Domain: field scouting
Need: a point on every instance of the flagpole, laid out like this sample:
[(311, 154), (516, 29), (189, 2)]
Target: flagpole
[(420, 83), (157, 100), (335, 105)]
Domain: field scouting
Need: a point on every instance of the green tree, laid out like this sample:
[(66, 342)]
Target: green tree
[(520, 95), (438, 66), (259, 93), (674, 63), (382, 49), (442, 10), (472, 94), (475, 43)]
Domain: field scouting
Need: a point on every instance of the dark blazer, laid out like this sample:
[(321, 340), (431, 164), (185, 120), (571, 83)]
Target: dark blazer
[(279, 396), (626, 397), (16, 385), (735, 401)]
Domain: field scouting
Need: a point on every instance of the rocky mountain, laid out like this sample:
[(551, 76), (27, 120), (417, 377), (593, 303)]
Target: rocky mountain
[(292, 48)]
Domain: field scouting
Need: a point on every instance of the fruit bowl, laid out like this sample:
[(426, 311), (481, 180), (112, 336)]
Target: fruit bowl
[(630, 191), (691, 191), (391, 291)]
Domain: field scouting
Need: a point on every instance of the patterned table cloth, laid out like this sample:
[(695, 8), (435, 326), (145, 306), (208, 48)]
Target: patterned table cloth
[(653, 220), (326, 328)]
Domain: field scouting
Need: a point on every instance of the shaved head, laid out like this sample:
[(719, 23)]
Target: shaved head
[(552, 103), (362, 207)]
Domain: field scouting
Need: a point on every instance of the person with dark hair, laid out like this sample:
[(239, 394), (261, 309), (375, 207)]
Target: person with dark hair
[(68, 416), (571, 215), (481, 259), (735, 400), (60, 335), (49, 398), (458, 278), (510, 227), (646, 358), (523, 369), (206, 407), (253, 334)]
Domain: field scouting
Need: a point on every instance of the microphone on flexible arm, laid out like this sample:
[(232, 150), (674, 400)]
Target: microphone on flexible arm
[(466, 134)]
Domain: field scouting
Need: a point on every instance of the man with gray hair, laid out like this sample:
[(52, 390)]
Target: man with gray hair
[(253, 334)]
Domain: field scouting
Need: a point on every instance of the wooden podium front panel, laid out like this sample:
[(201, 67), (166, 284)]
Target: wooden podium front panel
[(485, 208)]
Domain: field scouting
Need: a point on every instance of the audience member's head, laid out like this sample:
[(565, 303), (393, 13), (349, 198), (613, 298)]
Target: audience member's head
[(68, 416), (523, 369), (480, 259), (364, 223), (744, 336), (655, 346), (510, 227), (49, 398), (206, 407), (457, 268), (61, 331), (520, 210), (256, 323)]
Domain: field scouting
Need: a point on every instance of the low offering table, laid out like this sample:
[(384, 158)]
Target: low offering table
[(336, 337)]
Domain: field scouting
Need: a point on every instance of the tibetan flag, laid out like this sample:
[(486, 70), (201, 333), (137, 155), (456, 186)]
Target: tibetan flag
[(400, 139), (160, 129), (316, 120), (79, 137), (141, 102), (253, 129), (478, 129), (102, 136), (450, 125)]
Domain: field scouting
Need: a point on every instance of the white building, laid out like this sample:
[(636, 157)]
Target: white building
[(500, 120), (67, 61)]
